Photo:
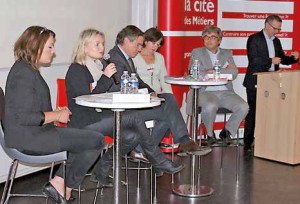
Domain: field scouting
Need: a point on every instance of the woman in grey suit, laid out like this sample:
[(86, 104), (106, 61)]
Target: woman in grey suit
[(29, 118)]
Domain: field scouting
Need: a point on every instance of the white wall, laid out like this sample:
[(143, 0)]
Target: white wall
[(66, 18), (116, 15), (144, 13)]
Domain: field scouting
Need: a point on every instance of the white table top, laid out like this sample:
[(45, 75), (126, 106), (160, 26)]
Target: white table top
[(192, 82), (105, 101)]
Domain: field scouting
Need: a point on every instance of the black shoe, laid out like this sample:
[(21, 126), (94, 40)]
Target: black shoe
[(169, 167), (225, 136), (51, 192), (191, 147), (211, 140), (158, 172), (248, 150), (103, 182)]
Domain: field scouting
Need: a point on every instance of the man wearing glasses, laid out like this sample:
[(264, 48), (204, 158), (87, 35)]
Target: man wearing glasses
[(213, 97), (264, 53)]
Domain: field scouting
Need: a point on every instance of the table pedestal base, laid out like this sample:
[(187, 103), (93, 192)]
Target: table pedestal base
[(188, 190)]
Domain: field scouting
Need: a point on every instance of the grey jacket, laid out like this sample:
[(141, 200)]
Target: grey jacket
[(224, 56), (201, 54), (26, 97)]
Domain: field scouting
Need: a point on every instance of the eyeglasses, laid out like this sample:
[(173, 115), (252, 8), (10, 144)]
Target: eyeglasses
[(279, 29), (140, 46), (210, 37)]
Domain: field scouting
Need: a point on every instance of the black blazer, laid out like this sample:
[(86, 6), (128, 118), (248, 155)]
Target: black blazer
[(118, 58), (26, 97), (78, 80), (258, 56)]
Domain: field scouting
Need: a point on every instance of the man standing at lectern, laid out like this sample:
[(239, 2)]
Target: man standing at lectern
[(264, 53)]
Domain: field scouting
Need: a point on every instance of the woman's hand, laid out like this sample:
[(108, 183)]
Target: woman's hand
[(63, 115), (110, 70)]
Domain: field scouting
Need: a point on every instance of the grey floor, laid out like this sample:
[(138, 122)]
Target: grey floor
[(259, 181)]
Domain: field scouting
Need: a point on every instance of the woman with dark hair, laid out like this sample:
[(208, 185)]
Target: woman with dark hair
[(29, 118), (150, 64)]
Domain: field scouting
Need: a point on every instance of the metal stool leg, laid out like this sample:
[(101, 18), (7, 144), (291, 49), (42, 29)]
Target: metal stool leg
[(9, 182), (79, 194), (126, 179), (237, 157), (97, 191), (223, 144), (152, 185), (138, 174)]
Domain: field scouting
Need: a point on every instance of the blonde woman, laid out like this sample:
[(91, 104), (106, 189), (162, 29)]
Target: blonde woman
[(87, 75)]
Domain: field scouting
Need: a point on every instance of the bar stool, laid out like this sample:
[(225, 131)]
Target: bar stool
[(149, 124), (225, 111)]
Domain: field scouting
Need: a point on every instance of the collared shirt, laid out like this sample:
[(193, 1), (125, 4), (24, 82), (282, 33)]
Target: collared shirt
[(126, 56), (129, 60), (213, 57), (271, 49)]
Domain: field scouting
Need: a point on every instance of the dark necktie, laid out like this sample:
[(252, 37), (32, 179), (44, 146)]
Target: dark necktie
[(131, 64)]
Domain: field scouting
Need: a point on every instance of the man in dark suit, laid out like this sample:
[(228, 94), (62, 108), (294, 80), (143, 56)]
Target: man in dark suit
[(264, 53), (128, 43)]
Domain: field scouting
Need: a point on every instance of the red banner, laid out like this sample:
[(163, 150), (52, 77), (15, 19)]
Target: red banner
[(182, 22)]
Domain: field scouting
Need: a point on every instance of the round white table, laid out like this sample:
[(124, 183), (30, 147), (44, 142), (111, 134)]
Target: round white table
[(193, 189), (105, 101)]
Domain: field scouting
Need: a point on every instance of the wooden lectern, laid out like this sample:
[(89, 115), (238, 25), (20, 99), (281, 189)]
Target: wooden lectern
[(277, 124)]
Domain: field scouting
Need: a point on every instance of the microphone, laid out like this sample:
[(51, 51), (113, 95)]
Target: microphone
[(106, 58)]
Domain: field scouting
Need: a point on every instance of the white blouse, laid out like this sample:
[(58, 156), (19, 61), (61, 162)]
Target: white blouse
[(153, 74)]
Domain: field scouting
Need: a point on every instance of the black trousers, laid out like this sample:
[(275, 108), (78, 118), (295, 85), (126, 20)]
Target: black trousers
[(84, 147), (169, 113), (250, 118), (133, 132)]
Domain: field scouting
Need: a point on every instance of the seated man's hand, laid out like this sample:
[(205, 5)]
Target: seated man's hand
[(210, 71), (154, 94), (295, 54)]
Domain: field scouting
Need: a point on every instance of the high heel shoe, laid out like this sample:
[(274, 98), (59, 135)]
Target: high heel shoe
[(51, 192)]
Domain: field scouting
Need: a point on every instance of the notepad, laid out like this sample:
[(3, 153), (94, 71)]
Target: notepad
[(131, 98)]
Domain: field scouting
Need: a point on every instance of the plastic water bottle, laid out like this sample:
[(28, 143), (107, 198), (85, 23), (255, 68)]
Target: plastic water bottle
[(125, 83), (216, 70), (195, 69), (134, 84)]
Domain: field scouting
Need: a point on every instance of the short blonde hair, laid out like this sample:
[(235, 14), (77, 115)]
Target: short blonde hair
[(84, 37)]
